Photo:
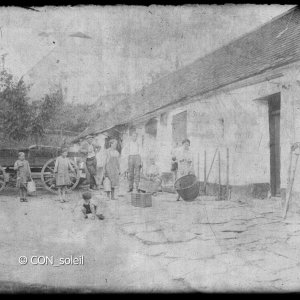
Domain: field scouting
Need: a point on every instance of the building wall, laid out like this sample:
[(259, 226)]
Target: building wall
[(290, 129), (238, 120)]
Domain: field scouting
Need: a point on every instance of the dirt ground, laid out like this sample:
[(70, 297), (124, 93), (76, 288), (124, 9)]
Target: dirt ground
[(204, 245)]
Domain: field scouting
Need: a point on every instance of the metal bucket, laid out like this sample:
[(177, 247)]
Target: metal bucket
[(187, 187)]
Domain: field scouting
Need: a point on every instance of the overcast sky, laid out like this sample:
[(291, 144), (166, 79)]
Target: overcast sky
[(120, 49)]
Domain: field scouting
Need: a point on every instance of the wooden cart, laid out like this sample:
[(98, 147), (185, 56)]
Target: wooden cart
[(42, 160)]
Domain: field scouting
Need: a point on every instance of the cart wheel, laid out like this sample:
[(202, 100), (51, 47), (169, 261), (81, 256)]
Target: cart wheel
[(2, 179), (48, 176)]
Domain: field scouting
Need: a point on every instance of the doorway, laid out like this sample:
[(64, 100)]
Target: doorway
[(274, 129), (179, 128)]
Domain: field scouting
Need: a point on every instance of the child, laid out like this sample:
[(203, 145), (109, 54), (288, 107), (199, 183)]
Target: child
[(61, 170), (88, 206), (174, 167), (107, 187), (23, 175), (151, 180)]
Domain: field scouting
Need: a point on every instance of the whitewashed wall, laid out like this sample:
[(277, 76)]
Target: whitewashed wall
[(237, 120), (290, 122), (244, 130)]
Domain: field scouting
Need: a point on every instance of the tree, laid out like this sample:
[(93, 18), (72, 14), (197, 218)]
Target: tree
[(43, 112), (15, 109), (74, 117), (18, 117)]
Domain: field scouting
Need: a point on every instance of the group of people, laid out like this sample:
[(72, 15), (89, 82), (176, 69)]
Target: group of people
[(107, 172), (142, 179), (104, 167)]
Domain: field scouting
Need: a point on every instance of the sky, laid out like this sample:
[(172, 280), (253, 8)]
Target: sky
[(94, 51)]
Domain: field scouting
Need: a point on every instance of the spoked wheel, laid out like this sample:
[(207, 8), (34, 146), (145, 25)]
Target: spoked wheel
[(2, 179), (48, 176)]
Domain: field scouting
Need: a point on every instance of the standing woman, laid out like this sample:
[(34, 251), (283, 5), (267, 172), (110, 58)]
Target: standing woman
[(112, 166), (185, 160), (61, 170), (23, 175)]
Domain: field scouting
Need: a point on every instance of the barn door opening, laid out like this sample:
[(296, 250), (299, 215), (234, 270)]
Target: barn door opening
[(274, 128), (179, 128)]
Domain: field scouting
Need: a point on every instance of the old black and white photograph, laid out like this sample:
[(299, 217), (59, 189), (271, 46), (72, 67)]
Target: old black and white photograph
[(150, 149)]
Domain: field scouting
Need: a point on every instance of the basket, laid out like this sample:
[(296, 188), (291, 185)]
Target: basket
[(141, 199), (188, 187), (31, 188)]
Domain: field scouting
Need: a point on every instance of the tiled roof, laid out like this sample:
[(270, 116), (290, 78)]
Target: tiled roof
[(272, 45)]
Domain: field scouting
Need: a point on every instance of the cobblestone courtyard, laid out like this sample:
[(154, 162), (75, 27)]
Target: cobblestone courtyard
[(205, 245)]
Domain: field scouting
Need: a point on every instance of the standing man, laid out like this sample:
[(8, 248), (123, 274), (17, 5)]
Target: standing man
[(91, 162), (133, 150)]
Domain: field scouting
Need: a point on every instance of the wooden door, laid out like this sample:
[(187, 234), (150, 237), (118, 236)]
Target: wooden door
[(274, 123)]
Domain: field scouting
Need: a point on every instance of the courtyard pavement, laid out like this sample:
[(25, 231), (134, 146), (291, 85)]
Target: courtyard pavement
[(206, 245)]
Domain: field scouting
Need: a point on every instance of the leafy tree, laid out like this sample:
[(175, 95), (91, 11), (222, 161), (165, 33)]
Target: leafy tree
[(74, 117), (43, 112), (19, 118), (15, 109)]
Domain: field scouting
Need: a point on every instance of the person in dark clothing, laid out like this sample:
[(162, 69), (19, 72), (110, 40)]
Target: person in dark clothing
[(91, 162), (89, 207)]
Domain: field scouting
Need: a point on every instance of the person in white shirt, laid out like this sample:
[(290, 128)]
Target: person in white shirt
[(132, 149)]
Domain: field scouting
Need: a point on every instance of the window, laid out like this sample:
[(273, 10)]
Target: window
[(151, 127)]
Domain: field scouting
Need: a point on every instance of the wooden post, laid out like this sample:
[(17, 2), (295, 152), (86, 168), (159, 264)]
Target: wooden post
[(284, 206), (290, 187), (211, 164), (227, 174), (289, 170), (204, 172), (219, 156)]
